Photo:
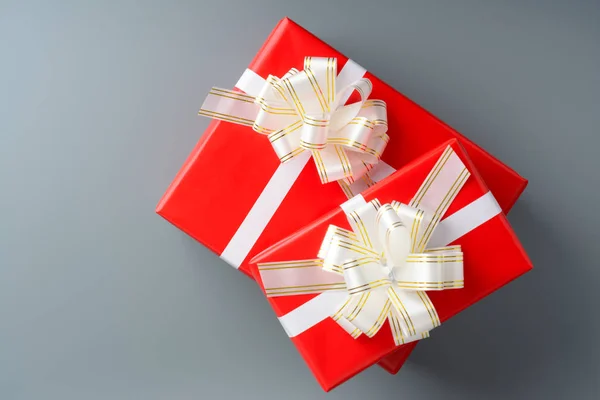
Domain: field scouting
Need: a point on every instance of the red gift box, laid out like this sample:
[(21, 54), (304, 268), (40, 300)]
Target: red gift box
[(224, 172), (493, 256)]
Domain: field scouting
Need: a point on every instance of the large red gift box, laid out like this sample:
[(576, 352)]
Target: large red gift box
[(231, 164), (493, 256)]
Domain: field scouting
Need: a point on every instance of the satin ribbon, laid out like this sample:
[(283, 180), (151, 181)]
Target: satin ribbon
[(304, 111), (381, 268)]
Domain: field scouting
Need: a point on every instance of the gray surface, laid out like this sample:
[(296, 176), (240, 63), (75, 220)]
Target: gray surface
[(102, 299)]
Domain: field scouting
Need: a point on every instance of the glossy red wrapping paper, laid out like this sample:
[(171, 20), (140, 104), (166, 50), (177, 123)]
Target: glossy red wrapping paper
[(231, 164), (493, 257)]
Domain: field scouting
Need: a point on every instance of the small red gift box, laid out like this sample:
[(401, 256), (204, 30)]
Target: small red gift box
[(493, 256)]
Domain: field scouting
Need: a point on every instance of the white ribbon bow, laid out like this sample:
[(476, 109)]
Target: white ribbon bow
[(305, 111), (384, 263)]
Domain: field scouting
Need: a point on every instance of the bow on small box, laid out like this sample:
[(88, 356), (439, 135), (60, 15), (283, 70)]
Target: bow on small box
[(305, 111), (383, 264)]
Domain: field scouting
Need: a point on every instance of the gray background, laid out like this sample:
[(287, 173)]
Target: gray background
[(102, 299)]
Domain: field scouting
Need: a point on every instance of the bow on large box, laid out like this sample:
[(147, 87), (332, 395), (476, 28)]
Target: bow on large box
[(305, 111), (383, 267)]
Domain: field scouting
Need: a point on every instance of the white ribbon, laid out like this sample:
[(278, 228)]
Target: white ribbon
[(305, 111), (381, 268)]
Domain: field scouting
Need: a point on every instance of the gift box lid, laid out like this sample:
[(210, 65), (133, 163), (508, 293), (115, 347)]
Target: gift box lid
[(493, 257), (215, 190)]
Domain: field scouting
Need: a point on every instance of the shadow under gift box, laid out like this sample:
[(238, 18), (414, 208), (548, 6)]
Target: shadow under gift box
[(493, 257), (230, 166)]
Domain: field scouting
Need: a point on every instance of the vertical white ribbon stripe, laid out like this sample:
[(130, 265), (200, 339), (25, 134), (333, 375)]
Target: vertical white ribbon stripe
[(263, 210)]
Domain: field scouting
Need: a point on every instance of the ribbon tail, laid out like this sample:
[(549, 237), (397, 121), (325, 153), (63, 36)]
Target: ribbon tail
[(343, 322), (228, 105), (368, 311), (417, 313), (292, 278), (400, 338)]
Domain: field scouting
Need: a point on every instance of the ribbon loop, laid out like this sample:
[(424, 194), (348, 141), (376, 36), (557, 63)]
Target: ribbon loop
[(364, 222), (394, 236), (314, 132)]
